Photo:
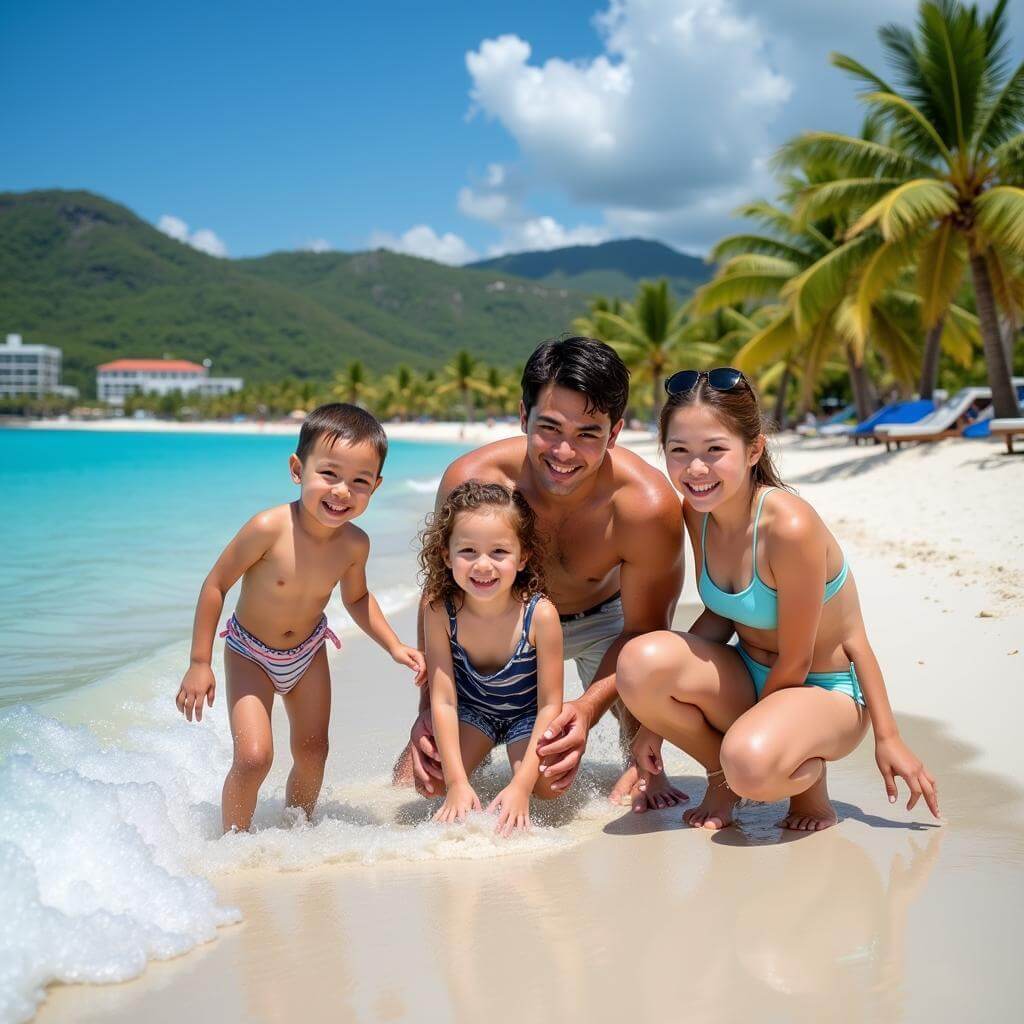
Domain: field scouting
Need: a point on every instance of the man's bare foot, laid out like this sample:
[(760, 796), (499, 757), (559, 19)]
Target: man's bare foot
[(716, 809), (658, 794), (811, 810)]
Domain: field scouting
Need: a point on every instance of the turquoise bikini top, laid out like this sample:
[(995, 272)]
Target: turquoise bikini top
[(757, 605)]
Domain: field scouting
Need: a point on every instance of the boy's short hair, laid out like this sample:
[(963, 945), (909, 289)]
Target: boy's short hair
[(581, 364), (339, 421)]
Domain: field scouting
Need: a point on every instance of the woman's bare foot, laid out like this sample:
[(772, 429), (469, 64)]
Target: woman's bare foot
[(811, 810), (715, 810)]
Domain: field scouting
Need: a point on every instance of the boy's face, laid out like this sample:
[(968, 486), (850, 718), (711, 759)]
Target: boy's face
[(337, 480)]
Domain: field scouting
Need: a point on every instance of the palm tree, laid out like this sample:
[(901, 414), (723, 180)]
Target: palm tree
[(398, 392), (461, 372), (946, 190), (353, 384)]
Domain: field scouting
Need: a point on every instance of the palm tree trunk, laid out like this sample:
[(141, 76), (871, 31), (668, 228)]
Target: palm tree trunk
[(1009, 331), (780, 400), (467, 404), (657, 393), (930, 366), (860, 382), (1004, 397)]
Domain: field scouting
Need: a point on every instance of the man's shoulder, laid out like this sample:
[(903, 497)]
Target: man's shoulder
[(498, 462), (641, 490)]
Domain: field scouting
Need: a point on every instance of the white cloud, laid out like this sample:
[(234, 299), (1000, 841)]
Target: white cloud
[(317, 245), (203, 239), (546, 233), (423, 241), (681, 101)]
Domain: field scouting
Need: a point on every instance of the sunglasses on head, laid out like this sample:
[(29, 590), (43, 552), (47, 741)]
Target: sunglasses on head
[(722, 378)]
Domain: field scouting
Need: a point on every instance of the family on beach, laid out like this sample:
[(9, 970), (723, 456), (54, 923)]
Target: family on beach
[(556, 545)]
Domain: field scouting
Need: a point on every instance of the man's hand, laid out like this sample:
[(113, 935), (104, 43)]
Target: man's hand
[(426, 758), (198, 685), (411, 658), (561, 747)]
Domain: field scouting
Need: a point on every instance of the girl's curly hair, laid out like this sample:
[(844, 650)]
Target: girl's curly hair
[(435, 576)]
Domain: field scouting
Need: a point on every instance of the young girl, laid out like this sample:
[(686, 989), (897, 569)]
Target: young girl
[(493, 646), (798, 689)]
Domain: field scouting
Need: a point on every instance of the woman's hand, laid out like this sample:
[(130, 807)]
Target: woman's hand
[(512, 805), (646, 750), (198, 685), (895, 758), (461, 799)]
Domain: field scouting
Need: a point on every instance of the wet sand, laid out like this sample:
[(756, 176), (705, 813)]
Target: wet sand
[(889, 916)]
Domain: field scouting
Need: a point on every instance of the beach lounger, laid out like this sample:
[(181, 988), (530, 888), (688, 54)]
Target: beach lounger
[(1007, 430), (949, 419), (911, 411), (826, 429)]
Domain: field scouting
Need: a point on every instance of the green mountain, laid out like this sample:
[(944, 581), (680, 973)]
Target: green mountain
[(612, 268), (87, 275)]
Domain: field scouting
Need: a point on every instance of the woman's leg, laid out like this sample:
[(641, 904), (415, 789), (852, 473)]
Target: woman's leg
[(780, 746), (690, 691), (250, 702), (308, 704)]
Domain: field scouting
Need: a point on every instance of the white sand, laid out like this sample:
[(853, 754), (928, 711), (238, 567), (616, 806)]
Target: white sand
[(885, 917)]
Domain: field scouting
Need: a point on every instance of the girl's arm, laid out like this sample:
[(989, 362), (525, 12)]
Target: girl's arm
[(366, 613), (247, 547), (892, 755), (444, 711)]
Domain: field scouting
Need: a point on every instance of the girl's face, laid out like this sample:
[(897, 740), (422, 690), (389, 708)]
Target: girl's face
[(484, 553), (706, 462)]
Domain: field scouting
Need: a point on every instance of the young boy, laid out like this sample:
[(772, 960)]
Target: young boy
[(290, 558)]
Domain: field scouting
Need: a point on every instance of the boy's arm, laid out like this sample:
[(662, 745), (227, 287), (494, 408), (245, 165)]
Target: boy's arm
[(247, 547), (443, 699), (366, 613), (550, 688)]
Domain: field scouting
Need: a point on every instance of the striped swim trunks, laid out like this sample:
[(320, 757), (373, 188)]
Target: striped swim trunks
[(285, 667)]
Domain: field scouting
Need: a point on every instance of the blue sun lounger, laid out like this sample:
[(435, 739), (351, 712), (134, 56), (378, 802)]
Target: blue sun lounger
[(897, 412)]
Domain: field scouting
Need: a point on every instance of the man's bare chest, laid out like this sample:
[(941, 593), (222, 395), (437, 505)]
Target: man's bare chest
[(582, 550)]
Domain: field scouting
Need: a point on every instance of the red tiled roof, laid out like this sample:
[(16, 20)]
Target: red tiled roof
[(153, 366)]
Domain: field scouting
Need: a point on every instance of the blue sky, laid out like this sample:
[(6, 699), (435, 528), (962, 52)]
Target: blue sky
[(449, 129)]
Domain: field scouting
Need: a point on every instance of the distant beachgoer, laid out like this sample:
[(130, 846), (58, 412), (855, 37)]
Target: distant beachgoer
[(493, 647), (290, 558), (764, 716), (612, 535)]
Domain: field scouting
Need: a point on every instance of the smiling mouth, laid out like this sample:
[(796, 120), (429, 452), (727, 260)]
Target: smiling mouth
[(483, 584), (700, 490), (562, 472), (335, 510)]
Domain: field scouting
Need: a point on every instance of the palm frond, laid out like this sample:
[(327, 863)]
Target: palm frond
[(842, 196), (858, 158), (907, 208), (1002, 119), (961, 336), (734, 288), (999, 213), (1007, 282), (854, 67), (896, 346), (940, 270), (912, 124), (818, 288), (772, 342), (881, 270), (735, 245), (763, 212)]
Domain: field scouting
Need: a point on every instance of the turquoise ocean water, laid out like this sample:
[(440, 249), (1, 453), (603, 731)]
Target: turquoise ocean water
[(108, 537)]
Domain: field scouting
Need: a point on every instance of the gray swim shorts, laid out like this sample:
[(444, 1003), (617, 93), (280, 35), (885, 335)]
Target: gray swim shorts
[(586, 637)]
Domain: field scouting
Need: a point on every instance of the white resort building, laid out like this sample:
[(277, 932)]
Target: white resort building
[(123, 377), (30, 369)]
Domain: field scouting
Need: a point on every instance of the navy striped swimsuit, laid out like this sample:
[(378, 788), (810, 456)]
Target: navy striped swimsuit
[(503, 706)]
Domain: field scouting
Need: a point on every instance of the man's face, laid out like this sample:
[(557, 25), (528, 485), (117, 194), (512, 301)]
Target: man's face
[(565, 442)]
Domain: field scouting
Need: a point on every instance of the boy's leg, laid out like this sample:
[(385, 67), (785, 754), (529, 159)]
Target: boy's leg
[(250, 702), (308, 705)]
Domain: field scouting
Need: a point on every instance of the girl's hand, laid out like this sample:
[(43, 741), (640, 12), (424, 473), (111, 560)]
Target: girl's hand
[(512, 805), (646, 750), (893, 758), (198, 685), (412, 658), (461, 799)]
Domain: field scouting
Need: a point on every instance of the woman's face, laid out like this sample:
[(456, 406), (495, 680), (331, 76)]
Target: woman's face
[(706, 462)]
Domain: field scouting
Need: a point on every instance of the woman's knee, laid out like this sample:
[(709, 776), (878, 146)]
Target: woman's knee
[(646, 664), (752, 764)]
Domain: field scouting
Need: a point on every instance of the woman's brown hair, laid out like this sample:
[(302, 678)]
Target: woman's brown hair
[(471, 496), (739, 411)]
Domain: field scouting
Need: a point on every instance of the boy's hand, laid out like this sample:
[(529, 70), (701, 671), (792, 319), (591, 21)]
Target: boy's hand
[(198, 685), (512, 805), (461, 799), (893, 758), (412, 658)]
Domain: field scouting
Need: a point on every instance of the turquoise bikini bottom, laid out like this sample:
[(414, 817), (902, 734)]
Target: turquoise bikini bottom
[(841, 682)]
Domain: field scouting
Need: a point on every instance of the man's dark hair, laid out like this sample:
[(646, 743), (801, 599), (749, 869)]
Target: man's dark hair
[(586, 365), (339, 421)]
